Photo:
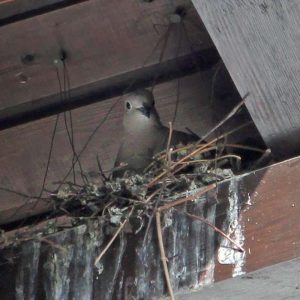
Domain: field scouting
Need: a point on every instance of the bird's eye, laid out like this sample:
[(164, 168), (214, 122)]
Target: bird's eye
[(128, 105)]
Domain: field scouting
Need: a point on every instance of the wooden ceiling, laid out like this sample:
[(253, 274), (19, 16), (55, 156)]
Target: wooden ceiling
[(63, 56), (106, 46)]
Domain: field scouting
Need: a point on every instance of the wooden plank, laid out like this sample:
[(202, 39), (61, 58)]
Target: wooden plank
[(266, 220), (269, 220), (101, 39), (108, 88), (16, 10), (259, 43)]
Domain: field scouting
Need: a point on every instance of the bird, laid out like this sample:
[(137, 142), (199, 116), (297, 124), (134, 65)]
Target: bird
[(144, 134)]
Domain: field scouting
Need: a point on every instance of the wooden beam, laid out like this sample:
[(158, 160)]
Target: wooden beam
[(99, 40), (259, 210), (113, 86), (17, 10), (268, 218), (259, 43)]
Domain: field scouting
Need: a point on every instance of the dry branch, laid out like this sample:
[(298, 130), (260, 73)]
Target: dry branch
[(163, 255), (203, 220), (113, 237), (197, 151)]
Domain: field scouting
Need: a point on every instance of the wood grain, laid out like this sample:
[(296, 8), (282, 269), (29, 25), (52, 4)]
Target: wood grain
[(101, 39), (14, 11), (259, 43), (269, 217)]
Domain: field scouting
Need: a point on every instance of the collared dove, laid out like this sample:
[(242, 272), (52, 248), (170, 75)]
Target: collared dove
[(144, 134)]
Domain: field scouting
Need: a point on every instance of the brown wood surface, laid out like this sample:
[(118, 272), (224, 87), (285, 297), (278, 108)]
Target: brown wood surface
[(16, 10), (259, 43), (270, 220), (101, 39)]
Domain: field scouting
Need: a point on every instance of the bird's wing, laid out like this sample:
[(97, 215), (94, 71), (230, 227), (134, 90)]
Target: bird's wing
[(135, 153)]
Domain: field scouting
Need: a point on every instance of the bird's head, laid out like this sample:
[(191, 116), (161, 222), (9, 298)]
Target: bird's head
[(140, 110)]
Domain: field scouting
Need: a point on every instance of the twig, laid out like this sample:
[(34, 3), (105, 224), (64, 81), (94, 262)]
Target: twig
[(150, 197), (238, 146), (107, 206), (196, 151), (231, 114), (161, 155), (190, 162), (186, 199), (102, 175), (114, 237), (168, 154), (161, 190), (264, 159), (163, 255), (203, 220)]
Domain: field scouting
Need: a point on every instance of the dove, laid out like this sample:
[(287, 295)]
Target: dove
[(144, 134)]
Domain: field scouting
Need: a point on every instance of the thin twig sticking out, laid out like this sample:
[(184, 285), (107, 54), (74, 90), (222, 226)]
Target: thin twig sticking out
[(159, 230), (114, 237), (160, 190), (236, 146), (230, 115), (196, 151), (211, 160), (187, 199), (163, 255), (203, 220), (102, 175), (168, 155)]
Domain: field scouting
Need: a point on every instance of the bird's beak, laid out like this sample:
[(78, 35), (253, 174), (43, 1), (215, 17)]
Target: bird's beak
[(145, 110)]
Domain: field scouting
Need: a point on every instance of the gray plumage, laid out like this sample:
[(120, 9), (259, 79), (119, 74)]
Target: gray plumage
[(144, 134)]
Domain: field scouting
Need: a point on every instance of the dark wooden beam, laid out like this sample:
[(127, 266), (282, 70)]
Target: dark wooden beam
[(15, 10), (104, 43), (108, 88), (259, 43), (259, 210)]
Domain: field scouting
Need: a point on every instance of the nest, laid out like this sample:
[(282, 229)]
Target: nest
[(169, 177), (176, 176)]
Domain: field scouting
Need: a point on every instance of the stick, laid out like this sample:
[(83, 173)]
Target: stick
[(262, 160), (236, 146), (102, 175), (114, 237), (196, 151), (240, 248), (168, 144), (161, 190), (190, 162), (186, 199), (163, 255), (232, 113)]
